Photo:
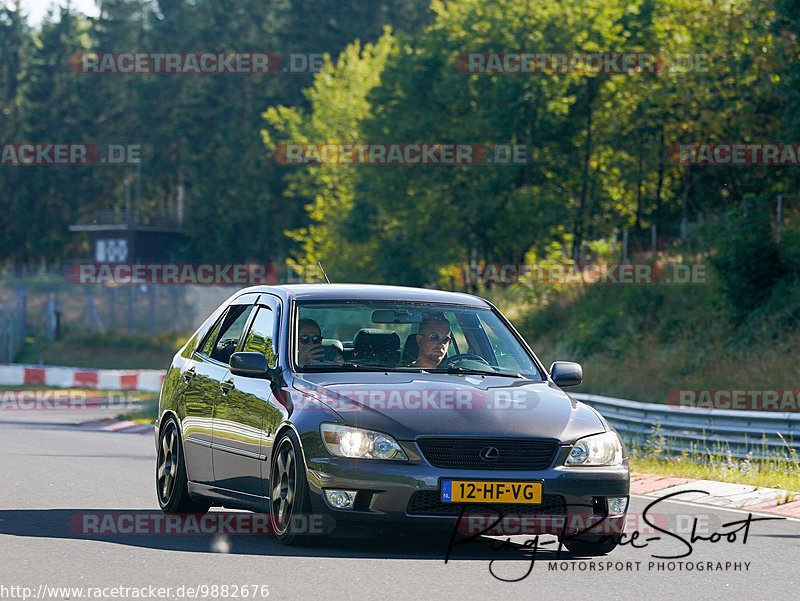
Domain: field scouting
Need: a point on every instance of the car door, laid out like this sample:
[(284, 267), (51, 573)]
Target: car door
[(198, 397), (247, 414), (203, 376)]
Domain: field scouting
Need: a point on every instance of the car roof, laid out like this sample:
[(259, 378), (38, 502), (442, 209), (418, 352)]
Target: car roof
[(306, 292)]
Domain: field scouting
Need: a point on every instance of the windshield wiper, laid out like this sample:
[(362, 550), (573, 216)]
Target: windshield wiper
[(454, 369)]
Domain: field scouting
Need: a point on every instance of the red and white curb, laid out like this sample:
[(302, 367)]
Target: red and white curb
[(721, 494), (148, 380), (125, 427)]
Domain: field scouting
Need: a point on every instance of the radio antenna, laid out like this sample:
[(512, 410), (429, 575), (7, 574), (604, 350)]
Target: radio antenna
[(325, 275)]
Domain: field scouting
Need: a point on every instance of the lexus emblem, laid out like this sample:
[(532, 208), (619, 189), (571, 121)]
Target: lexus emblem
[(489, 453)]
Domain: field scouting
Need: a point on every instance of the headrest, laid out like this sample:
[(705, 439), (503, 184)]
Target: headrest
[(411, 349), (375, 341)]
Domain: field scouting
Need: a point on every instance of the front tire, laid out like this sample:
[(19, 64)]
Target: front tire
[(171, 482), (289, 501)]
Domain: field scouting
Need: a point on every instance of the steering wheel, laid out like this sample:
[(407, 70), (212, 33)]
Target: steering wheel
[(452, 361)]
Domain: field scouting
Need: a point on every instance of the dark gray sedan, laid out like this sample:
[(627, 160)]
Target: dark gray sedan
[(353, 409)]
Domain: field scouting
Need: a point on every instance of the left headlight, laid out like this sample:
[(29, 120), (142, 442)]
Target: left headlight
[(344, 441), (600, 449)]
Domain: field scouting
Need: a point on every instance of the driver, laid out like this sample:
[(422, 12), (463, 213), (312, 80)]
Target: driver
[(433, 340)]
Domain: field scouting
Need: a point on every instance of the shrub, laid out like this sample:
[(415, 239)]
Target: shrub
[(747, 259)]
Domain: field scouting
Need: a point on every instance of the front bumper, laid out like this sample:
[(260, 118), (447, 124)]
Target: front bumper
[(393, 494)]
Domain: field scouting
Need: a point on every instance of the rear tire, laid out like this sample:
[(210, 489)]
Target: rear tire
[(172, 487), (584, 545), (289, 499)]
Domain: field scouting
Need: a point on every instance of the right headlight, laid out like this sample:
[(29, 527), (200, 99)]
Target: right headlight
[(600, 449), (345, 441)]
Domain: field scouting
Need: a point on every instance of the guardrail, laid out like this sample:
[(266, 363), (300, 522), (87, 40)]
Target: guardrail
[(764, 433)]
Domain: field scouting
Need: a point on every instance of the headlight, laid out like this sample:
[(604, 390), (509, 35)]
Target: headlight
[(600, 449), (344, 441)]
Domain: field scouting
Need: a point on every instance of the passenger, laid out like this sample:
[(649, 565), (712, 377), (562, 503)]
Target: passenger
[(309, 348)]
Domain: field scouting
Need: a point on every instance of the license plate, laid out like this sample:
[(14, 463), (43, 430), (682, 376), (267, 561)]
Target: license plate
[(480, 491)]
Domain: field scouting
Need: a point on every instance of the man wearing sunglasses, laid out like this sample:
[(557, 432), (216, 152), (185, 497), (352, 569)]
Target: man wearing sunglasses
[(309, 345), (433, 340)]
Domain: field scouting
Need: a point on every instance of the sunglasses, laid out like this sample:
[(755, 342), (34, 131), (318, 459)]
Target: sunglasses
[(444, 339), (305, 339)]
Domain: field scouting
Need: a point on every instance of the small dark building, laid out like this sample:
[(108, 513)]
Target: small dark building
[(129, 237)]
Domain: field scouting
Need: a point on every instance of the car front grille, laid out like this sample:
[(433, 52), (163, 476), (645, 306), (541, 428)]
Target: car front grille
[(428, 502), (512, 454)]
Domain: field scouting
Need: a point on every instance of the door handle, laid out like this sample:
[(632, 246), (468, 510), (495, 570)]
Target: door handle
[(226, 386), (189, 374)]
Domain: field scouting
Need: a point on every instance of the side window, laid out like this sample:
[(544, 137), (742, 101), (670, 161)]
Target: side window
[(230, 332), (262, 335), (459, 341), (505, 360), (474, 336), (211, 338)]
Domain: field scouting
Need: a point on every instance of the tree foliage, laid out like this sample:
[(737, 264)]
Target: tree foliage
[(597, 144), (597, 161)]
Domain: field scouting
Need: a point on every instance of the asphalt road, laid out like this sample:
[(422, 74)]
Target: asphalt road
[(51, 471)]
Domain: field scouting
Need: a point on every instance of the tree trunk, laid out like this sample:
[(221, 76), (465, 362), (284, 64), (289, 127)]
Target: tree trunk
[(584, 197)]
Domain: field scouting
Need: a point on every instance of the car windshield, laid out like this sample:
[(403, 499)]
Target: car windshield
[(375, 335)]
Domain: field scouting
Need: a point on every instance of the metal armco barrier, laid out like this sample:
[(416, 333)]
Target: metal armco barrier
[(702, 430)]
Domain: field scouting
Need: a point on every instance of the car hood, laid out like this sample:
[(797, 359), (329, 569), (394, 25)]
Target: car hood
[(411, 405)]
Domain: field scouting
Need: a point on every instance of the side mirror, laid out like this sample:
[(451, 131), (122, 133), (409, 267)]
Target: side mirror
[(566, 373), (251, 365)]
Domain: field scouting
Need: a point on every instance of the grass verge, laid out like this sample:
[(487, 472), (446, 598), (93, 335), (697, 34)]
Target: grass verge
[(146, 414), (102, 351), (762, 466), (761, 476)]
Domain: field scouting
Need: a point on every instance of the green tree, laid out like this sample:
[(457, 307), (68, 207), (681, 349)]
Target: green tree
[(338, 101)]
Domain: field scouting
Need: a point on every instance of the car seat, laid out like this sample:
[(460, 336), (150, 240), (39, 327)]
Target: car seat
[(410, 350), (373, 346)]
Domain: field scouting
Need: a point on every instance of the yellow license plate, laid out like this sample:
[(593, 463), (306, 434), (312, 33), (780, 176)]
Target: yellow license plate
[(480, 491)]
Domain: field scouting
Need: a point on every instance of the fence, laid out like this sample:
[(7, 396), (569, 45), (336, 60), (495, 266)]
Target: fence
[(13, 320), (42, 303), (763, 433), (49, 307)]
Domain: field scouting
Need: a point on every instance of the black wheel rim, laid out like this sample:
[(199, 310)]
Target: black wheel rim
[(167, 463), (284, 487)]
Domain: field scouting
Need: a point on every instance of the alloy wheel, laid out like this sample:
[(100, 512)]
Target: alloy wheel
[(167, 463), (284, 489)]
